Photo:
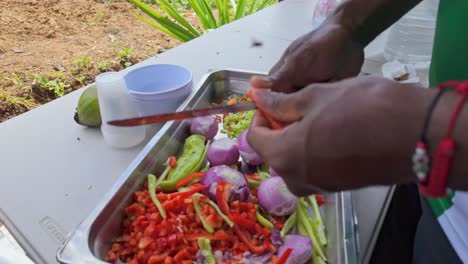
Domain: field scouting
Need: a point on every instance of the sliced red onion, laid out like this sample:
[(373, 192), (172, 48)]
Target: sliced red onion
[(206, 126), (223, 152), (275, 197), (276, 239), (301, 249), (240, 190), (247, 153)]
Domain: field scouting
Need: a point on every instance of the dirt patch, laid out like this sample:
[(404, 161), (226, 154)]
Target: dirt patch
[(51, 47)]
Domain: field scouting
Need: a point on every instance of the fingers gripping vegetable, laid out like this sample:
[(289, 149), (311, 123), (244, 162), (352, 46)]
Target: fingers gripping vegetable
[(239, 190), (274, 196), (191, 161), (223, 152), (206, 126), (301, 249), (247, 153)]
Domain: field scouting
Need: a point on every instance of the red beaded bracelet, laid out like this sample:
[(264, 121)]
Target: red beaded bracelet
[(435, 185)]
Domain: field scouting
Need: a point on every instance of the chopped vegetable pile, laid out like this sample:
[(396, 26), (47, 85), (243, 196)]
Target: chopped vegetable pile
[(236, 123), (219, 214)]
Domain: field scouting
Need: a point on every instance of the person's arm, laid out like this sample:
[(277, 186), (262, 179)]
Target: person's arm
[(354, 133), (335, 50), (368, 18)]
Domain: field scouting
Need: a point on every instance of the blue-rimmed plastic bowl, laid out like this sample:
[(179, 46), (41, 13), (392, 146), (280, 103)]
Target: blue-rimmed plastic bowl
[(158, 88)]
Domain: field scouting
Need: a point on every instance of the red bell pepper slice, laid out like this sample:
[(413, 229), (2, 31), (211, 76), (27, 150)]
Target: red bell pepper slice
[(244, 222), (243, 237), (284, 256), (185, 194), (320, 199), (172, 162), (222, 197), (185, 181)]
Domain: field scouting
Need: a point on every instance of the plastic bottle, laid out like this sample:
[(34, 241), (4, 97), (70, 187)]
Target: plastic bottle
[(115, 104), (411, 38)]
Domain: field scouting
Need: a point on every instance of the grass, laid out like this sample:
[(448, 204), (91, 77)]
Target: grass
[(24, 91)]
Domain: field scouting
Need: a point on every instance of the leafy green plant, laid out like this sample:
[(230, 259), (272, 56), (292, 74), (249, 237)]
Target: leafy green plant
[(103, 66), (125, 56), (84, 63), (81, 80), (55, 83), (175, 25)]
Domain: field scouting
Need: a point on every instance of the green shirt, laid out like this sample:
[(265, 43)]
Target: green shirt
[(450, 52), (450, 62)]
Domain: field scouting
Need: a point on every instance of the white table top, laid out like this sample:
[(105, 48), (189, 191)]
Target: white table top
[(54, 171)]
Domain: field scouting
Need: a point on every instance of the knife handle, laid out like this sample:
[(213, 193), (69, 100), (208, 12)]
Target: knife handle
[(276, 125)]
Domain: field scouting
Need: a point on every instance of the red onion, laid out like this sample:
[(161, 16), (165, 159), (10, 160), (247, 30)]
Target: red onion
[(247, 153), (301, 249), (223, 152), (240, 190), (206, 126), (275, 197)]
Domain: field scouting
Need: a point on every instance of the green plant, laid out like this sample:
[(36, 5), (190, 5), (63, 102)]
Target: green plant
[(175, 25), (81, 80), (55, 83), (125, 56), (84, 63), (16, 80), (103, 66), (16, 100)]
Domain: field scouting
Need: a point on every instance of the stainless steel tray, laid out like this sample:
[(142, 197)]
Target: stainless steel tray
[(89, 242)]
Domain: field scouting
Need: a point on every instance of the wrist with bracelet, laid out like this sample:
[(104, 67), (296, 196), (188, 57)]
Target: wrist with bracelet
[(433, 172)]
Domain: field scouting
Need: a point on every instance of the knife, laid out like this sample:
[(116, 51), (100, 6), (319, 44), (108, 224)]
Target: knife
[(153, 119)]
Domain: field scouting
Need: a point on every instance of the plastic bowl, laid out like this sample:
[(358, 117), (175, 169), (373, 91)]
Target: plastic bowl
[(158, 88)]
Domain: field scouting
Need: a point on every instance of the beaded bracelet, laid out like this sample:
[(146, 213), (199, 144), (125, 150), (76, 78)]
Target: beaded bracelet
[(421, 158), (436, 184)]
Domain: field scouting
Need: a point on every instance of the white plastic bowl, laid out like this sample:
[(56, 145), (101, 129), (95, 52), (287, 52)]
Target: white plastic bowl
[(158, 88)]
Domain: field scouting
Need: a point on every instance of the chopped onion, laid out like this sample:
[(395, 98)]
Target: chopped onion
[(247, 153), (301, 249), (223, 152), (275, 197), (206, 126)]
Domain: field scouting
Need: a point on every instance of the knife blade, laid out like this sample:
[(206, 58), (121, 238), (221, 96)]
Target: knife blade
[(153, 119)]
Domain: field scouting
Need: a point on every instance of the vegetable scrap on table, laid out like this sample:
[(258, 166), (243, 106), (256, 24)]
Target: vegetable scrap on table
[(218, 213)]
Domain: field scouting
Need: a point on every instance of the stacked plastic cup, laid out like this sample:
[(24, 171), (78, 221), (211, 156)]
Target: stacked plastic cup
[(158, 88), (114, 104)]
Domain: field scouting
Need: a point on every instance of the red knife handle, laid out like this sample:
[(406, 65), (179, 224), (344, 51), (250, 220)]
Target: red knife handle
[(276, 125)]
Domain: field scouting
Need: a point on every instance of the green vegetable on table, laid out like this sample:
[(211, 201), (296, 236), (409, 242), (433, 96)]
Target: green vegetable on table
[(190, 161), (261, 219), (289, 224), (152, 184), (306, 226), (236, 123), (206, 226), (206, 251), (87, 112), (317, 222)]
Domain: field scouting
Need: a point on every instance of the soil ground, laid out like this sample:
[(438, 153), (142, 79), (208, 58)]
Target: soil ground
[(50, 47)]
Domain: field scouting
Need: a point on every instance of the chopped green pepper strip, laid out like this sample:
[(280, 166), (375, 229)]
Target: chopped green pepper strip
[(253, 184), (190, 161), (152, 184), (218, 211), (208, 227), (205, 247), (289, 224), (302, 219), (317, 223), (165, 173), (262, 220)]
